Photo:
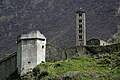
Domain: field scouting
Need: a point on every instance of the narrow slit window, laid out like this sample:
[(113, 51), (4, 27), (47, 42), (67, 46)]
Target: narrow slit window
[(29, 62), (42, 47)]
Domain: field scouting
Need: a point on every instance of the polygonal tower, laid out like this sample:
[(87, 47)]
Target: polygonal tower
[(31, 51), (80, 28)]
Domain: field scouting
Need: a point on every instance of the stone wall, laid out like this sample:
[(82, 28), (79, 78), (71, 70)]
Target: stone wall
[(8, 66), (54, 53), (103, 49)]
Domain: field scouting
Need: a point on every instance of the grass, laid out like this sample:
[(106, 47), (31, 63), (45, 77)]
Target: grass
[(83, 67), (7, 56)]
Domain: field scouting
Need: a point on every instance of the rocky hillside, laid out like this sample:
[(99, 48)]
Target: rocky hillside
[(55, 19)]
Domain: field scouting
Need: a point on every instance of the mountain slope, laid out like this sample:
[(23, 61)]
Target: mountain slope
[(55, 19)]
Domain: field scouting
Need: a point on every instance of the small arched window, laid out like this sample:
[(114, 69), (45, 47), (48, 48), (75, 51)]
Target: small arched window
[(80, 36), (80, 31), (80, 14), (80, 20), (80, 25)]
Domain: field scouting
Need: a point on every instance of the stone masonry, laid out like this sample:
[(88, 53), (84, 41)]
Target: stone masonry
[(80, 31), (31, 51), (80, 28)]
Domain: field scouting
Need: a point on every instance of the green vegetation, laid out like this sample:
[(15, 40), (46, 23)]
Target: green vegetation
[(7, 56), (117, 38), (102, 66)]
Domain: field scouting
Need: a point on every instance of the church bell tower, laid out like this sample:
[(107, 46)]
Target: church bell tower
[(80, 28)]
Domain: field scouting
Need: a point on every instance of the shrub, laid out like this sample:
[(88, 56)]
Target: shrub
[(67, 78), (104, 61), (57, 65), (43, 74), (115, 63), (36, 71), (116, 77)]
